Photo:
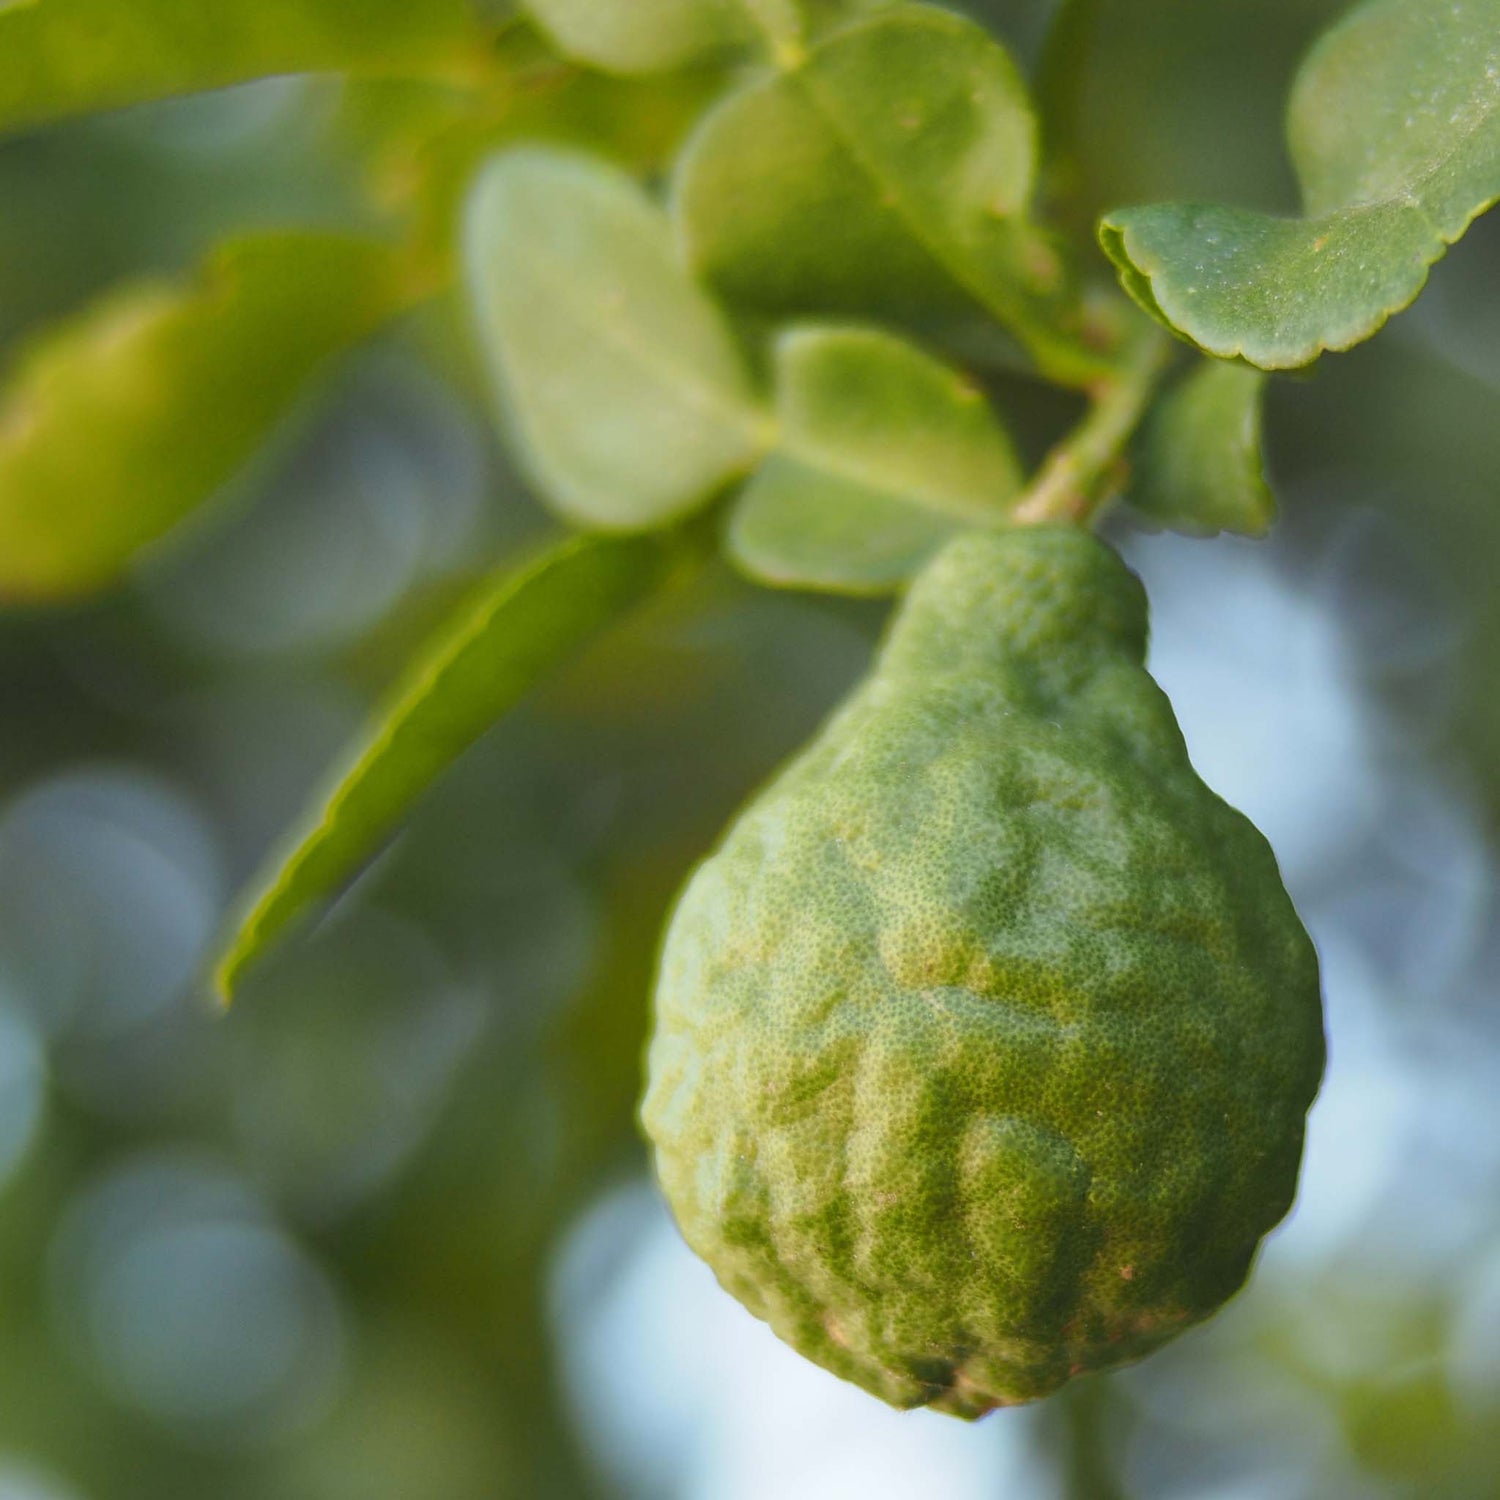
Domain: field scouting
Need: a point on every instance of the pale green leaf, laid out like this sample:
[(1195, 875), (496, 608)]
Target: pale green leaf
[(646, 36), (1395, 131), (880, 411), (797, 526), (883, 453), (121, 421), (67, 57), (649, 36), (521, 627), (890, 174), (1199, 467), (622, 384)]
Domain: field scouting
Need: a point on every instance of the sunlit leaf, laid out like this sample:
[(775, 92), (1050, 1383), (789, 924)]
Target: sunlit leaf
[(1395, 131), (66, 57), (1199, 465), (648, 36), (120, 422), (645, 36), (883, 454), (520, 628), (625, 392), (890, 174)]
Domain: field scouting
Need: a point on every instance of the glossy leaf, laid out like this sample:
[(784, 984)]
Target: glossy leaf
[(890, 174), (122, 421), (1199, 467), (67, 57), (623, 387), (883, 454), (522, 627), (1395, 131)]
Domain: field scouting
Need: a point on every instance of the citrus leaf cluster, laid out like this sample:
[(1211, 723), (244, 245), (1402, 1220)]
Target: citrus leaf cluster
[(986, 1037)]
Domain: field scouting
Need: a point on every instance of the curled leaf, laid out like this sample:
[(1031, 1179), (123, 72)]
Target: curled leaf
[(1395, 132)]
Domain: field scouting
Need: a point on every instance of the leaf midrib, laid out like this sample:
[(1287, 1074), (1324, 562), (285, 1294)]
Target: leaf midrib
[(891, 195), (827, 461)]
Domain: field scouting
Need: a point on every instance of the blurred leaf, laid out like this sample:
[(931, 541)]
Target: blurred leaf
[(427, 166), (67, 57), (1199, 463), (121, 421), (887, 175), (797, 526), (1395, 131), (525, 623), (629, 401), (883, 454), (1060, 82), (648, 36), (645, 36)]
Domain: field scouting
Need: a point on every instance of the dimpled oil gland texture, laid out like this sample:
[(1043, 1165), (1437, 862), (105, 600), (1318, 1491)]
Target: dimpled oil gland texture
[(984, 1042)]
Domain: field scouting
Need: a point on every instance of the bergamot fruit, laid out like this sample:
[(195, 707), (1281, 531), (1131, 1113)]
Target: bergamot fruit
[(985, 1040)]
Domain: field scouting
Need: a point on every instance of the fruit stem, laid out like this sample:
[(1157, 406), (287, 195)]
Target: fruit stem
[(1086, 470), (1088, 1466)]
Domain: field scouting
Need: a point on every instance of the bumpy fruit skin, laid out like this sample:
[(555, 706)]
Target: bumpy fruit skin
[(985, 1040)]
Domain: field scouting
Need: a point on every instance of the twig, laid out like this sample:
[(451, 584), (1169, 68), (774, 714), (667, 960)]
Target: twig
[(1084, 470)]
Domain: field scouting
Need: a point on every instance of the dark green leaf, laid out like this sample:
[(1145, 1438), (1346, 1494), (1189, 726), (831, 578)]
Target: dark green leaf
[(626, 394), (1395, 130), (1199, 467), (890, 174), (119, 423), (66, 57), (883, 453), (523, 626)]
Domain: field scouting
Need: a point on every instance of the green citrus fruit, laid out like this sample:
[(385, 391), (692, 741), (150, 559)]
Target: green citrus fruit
[(985, 1040)]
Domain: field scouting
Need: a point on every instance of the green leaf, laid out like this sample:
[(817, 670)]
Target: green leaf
[(1199, 467), (797, 526), (883, 454), (524, 625), (67, 57), (888, 175), (650, 36), (624, 389), (647, 36), (428, 166), (1395, 132), (121, 421)]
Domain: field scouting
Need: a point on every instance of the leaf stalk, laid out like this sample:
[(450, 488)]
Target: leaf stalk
[(1085, 471)]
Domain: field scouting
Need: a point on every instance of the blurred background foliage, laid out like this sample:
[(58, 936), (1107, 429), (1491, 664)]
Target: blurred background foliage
[(385, 1233)]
